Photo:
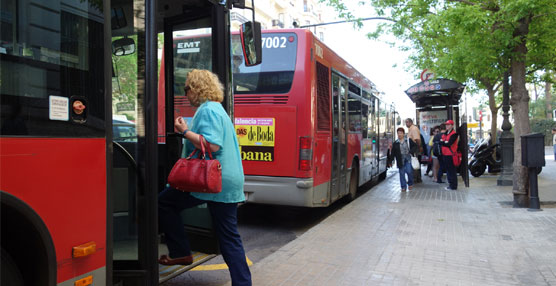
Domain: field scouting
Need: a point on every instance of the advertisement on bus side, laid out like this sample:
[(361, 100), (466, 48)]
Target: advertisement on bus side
[(256, 137)]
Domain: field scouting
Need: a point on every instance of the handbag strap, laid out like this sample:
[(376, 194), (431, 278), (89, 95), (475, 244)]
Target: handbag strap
[(205, 148)]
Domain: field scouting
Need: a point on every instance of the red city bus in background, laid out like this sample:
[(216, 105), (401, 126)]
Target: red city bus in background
[(311, 128)]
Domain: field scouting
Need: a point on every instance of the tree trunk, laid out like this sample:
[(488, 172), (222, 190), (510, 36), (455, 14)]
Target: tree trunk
[(494, 111), (548, 99), (520, 107)]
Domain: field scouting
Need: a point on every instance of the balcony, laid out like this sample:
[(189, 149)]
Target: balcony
[(234, 16)]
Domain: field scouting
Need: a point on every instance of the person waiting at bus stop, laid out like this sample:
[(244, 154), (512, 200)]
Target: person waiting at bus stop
[(449, 143), (414, 134), (204, 90), (402, 150)]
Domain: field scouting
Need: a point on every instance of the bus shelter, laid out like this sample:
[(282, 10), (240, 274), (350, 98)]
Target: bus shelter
[(436, 101)]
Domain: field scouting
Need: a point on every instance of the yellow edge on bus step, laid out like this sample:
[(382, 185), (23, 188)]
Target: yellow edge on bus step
[(217, 266)]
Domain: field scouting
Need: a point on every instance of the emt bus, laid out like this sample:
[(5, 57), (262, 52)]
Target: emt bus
[(311, 128), (79, 203)]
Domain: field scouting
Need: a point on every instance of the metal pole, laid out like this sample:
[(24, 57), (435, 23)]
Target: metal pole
[(506, 138), (347, 21), (534, 203)]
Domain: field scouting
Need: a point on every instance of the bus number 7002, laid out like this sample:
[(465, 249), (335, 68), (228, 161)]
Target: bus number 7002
[(274, 42)]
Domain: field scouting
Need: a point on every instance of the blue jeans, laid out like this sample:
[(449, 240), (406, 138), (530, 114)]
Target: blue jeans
[(406, 169), (451, 172), (554, 152), (172, 202)]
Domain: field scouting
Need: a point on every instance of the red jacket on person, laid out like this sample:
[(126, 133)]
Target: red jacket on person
[(449, 148)]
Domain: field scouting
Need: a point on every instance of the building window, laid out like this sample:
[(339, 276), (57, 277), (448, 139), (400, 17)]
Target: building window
[(305, 7)]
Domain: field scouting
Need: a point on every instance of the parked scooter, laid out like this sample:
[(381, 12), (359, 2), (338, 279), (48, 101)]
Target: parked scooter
[(481, 158)]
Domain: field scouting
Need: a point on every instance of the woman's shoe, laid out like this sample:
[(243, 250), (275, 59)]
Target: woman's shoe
[(166, 260)]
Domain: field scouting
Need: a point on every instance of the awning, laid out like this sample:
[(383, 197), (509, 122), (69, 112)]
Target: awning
[(436, 92)]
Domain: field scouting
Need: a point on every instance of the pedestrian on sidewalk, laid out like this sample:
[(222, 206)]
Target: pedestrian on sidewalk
[(430, 161), (449, 143), (434, 154), (437, 148), (402, 150), (414, 134), (554, 141)]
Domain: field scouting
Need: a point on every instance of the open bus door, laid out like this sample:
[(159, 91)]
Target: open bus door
[(142, 156)]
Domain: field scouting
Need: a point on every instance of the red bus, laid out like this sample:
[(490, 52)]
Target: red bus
[(312, 129), (78, 194)]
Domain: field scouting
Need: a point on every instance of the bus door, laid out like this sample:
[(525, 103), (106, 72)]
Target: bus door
[(141, 161), (339, 136), (190, 44)]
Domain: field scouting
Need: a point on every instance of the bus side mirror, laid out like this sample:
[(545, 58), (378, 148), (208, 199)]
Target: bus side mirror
[(251, 43), (123, 47)]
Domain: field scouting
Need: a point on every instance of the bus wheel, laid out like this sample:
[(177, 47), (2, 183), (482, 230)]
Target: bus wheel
[(10, 274), (353, 184)]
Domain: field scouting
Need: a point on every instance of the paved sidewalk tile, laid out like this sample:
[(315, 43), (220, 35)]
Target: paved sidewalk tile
[(427, 236)]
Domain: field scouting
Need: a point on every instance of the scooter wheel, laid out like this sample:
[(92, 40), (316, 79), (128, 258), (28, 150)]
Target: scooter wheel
[(477, 170)]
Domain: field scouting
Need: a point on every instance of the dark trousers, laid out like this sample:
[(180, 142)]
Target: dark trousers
[(442, 169), (451, 172), (172, 202)]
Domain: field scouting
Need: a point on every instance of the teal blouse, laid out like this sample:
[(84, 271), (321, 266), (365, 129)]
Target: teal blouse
[(212, 121)]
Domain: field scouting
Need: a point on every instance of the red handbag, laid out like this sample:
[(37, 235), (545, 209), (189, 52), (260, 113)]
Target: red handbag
[(197, 174)]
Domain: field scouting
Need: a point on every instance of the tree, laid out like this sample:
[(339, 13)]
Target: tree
[(476, 41)]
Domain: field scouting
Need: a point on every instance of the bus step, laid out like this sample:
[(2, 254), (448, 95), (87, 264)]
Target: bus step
[(166, 273)]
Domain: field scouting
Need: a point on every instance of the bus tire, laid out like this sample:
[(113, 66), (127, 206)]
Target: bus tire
[(10, 274), (353, 184)]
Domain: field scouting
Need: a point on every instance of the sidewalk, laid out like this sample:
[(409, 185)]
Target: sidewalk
[(427, 236)]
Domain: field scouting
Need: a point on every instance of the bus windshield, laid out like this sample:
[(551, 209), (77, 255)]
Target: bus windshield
[(194, 51), (274, 74)]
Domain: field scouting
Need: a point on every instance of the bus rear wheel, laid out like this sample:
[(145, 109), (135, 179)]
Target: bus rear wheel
[(10, 274)]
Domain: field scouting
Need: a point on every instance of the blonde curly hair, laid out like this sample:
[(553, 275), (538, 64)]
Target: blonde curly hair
[(205, 86)]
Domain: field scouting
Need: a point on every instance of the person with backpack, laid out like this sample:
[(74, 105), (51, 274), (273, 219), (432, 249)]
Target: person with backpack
[(434, 162), (449, 143)]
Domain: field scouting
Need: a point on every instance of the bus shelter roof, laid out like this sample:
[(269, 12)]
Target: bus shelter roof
[(436, 92)]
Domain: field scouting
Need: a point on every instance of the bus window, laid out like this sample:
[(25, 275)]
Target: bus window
[(372, 119), (364, 120), (274, 74), (192, 50), (51, 85), (354, 111)]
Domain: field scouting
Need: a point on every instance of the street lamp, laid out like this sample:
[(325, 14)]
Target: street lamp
[(506, 138)]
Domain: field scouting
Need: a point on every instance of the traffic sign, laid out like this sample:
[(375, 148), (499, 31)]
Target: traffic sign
[(427, 74)]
